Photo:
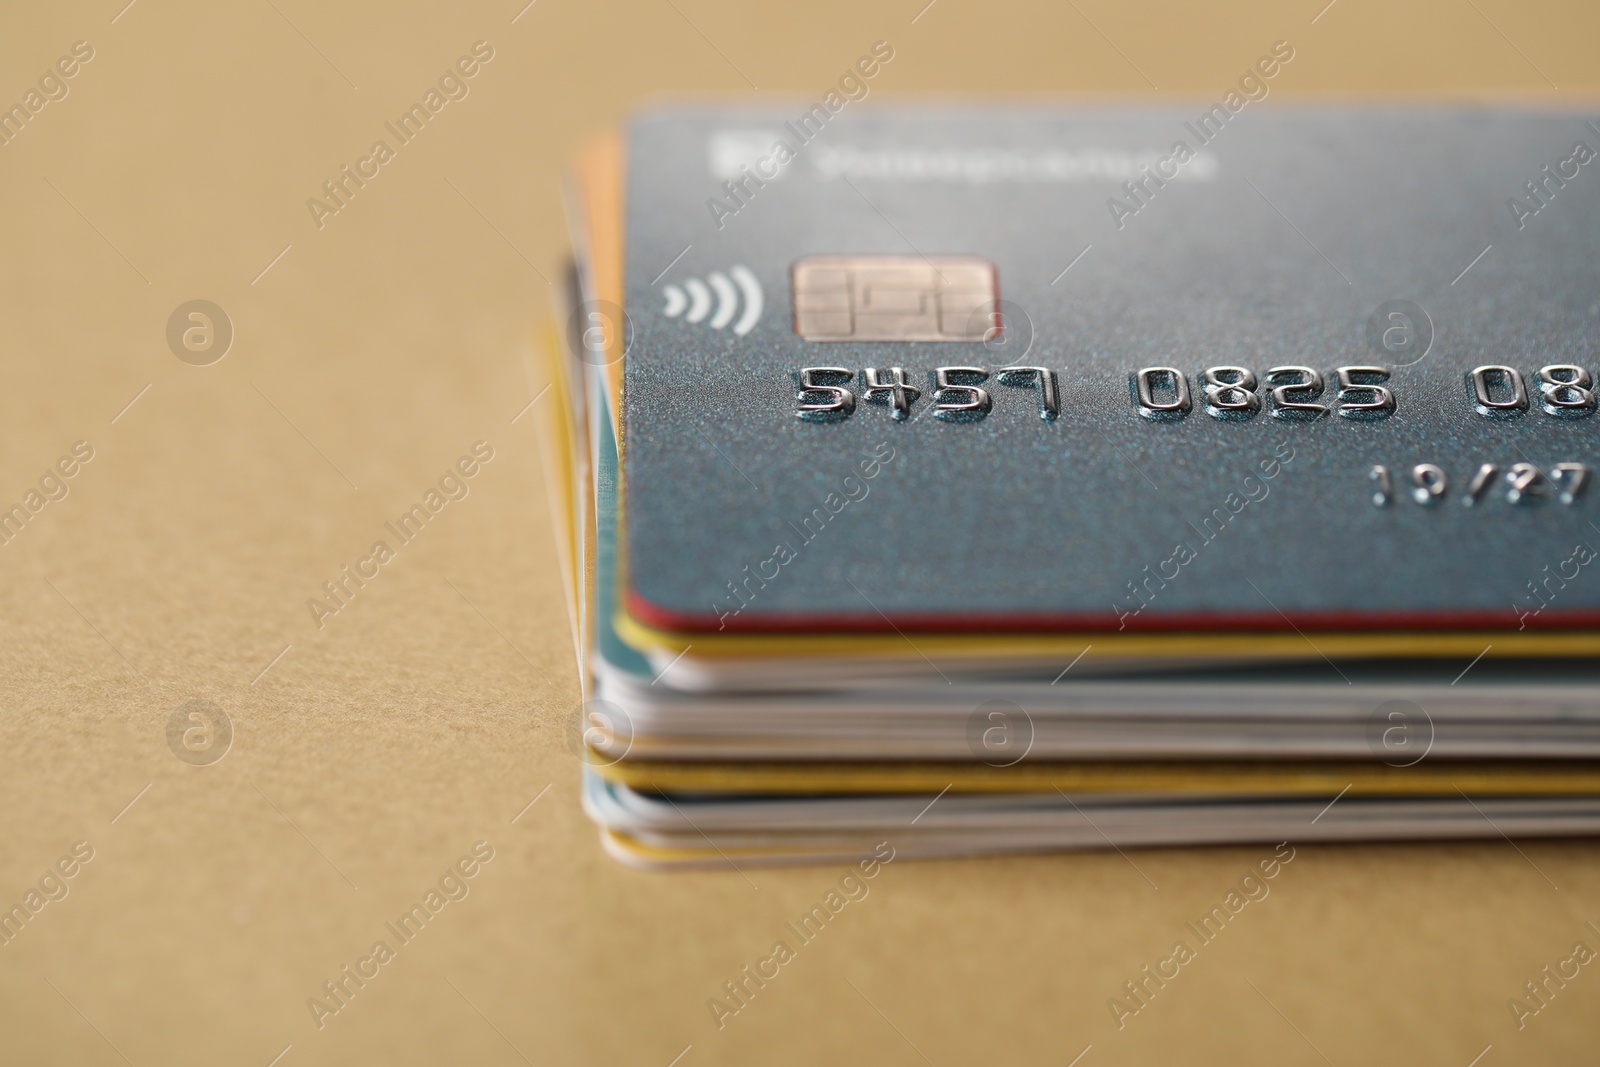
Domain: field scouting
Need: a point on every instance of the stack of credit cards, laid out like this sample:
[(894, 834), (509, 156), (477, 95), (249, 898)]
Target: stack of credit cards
[(996, 479)]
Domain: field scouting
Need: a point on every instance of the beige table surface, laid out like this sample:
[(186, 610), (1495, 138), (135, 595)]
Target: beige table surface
[(370, 754)]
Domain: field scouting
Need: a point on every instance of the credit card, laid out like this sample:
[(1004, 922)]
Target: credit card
[(659, 830), (1111, 370)]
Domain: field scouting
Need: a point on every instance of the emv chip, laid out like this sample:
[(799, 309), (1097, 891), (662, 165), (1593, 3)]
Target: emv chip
[(895, 298)]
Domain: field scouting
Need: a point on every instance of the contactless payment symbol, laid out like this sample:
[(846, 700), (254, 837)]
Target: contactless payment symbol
[(737, 288)]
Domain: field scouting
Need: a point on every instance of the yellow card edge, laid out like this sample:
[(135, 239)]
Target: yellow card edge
[(1386, 644), (1234, 778)]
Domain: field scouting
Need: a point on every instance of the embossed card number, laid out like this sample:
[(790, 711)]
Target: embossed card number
[(959, 394), (1229, 393)]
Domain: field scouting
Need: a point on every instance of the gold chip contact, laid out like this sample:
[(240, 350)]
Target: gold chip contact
[(895, 298)]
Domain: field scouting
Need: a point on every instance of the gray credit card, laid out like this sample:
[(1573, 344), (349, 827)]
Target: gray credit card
[(1112, 368)]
